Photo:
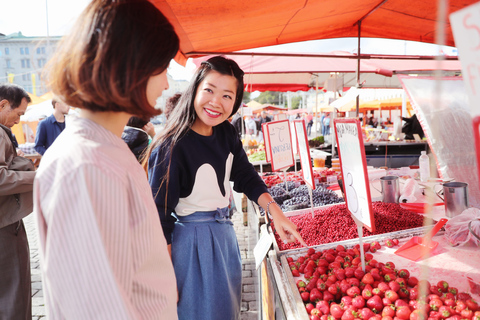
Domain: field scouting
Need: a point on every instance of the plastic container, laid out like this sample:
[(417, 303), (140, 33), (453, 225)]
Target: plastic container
[(319, 159), (424, 163)]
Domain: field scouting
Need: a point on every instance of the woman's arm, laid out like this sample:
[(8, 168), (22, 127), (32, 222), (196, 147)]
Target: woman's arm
[(286, 229)]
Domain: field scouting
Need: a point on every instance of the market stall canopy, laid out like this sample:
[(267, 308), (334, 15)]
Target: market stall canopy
[(35, 99), (295, 111), (258, 107), (38, 111), (370, 99), (222, 26), (294, 73)]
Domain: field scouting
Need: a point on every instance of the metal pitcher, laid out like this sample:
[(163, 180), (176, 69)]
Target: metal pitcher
[(390, 189), (455, 197)]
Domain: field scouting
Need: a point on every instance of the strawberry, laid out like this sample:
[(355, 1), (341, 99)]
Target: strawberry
[(368, 278), (404, 273), (389, 243), (442, 285)]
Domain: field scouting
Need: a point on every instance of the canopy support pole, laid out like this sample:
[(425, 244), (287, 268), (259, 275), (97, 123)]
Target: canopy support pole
[(315, 114), (358, 69)]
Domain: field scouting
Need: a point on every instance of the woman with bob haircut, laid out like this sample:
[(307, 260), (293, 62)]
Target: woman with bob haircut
[(190, 166), (102, 248)]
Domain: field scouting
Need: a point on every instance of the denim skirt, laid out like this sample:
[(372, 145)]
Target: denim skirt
[(208, 266)]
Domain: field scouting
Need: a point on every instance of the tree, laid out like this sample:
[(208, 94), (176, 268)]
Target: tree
[(246, 97), (296, 102), (269, 97)]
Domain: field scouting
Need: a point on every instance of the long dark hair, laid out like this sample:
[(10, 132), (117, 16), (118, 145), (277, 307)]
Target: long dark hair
[(105, 62), (183, 115)]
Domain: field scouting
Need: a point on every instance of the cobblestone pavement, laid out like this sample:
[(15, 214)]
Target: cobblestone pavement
[(246, 240)]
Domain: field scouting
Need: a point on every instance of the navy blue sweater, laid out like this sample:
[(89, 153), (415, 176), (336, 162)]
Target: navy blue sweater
[(200, 170)]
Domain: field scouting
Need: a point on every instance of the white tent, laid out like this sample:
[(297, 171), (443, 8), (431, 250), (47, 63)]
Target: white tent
[(37, 111)]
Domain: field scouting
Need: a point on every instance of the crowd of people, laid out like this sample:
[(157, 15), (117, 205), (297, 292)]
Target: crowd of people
[(115, 242)]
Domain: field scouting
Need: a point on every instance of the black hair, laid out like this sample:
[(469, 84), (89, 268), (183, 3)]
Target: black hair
[(14, 94)]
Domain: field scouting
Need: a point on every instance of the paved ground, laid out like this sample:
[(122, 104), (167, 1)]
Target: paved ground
[(246, 240)]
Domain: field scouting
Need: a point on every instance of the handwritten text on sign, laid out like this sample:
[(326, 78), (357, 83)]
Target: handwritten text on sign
[(466, 31), (280, 144), (353, 164)]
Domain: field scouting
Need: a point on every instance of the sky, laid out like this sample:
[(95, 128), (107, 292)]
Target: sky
[(30, 17)]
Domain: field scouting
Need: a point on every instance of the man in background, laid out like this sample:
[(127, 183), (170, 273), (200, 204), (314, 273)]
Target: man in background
[(412, 126), (265, 118), (16, 202), (237, 121), (49, 129)]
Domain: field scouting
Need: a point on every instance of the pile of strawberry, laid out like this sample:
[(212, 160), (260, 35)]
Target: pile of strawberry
[(337, 288)]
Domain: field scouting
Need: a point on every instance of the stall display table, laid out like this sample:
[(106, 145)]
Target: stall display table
[(35, 159), (452, 264)]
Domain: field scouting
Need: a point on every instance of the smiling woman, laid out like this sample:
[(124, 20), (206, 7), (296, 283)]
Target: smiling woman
[(190, 167)]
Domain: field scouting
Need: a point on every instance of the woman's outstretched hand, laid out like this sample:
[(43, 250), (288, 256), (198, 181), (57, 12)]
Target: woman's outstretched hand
[(285, 228)]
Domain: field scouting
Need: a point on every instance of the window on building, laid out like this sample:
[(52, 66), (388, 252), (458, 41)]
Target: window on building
[(27, 51), (25, 63), (7, 51), (41, 50), (9, 64), (22, 51), (25, 77)]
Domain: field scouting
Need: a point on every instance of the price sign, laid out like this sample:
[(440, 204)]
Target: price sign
[(267, 142), (280, 144), (466, 31), (353, 164), (304, 151)]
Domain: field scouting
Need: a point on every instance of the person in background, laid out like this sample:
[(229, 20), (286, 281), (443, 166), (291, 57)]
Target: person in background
[(50, 128), (196, 191), (371, 122), (412, 126), (16, 186), (265, 117), (237, 123), (250, 126), (258, 122), (326, 124), (322, 126), (102, 248), (309, 121), (137, 134)]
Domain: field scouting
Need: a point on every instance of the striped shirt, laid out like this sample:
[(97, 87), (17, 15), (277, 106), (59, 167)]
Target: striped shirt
[(102, 248)]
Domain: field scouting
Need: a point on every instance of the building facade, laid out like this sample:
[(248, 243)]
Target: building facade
[(22, 60)]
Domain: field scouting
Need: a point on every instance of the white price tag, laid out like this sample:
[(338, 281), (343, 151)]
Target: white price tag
[(261, 249)]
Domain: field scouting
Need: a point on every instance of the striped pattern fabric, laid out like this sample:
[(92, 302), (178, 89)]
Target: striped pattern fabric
[(103, 252)]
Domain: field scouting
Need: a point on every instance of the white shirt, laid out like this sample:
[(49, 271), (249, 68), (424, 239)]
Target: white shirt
[(103, 252)]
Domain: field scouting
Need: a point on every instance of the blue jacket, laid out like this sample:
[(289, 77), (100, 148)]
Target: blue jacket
[(47, 131)]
